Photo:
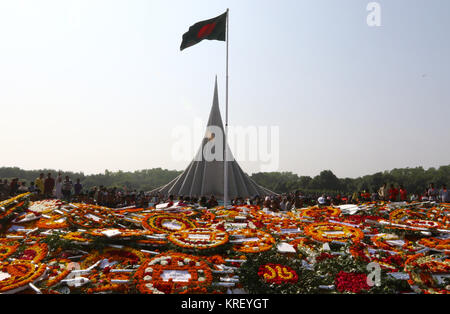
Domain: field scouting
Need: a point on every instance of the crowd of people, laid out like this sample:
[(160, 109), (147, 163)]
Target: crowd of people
[(63, 188), (45, 186)]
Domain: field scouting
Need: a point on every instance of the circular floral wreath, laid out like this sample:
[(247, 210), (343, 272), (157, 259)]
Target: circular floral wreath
[(421, 267), (18, 274), (252, 241), (166, 223), (199, 238), (91, 216), (158, 275), (320, 212), (327, 232)]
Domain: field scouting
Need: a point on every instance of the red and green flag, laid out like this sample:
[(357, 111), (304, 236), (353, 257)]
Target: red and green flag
[(213, 29)]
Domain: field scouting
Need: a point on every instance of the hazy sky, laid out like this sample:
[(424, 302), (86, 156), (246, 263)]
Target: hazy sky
[(94, 85)]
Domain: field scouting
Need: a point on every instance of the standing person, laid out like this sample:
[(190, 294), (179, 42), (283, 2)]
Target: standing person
[(49, 185), (58, 186), (321, 201), (39, 183), (444, 195), (13, 187), (355, 197), (382, 192), (432, 193), (67, 188), (393, 193), (78, 187), (403, 194)]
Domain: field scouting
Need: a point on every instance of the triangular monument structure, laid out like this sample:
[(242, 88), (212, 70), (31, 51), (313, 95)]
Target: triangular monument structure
[(206, 178)]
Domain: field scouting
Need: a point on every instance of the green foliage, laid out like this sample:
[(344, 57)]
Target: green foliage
[(142, 180), (415, 180)]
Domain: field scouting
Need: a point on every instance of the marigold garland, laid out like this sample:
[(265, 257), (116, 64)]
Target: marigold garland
[(58, 270), (21, 274), (34, 253), (436, 244), (159, 223), (124, 257), (56, 222), (320, 213), (277, 274), (149, 276), (336, 232), (7, 248), (258, 241), (91, 216), (198, 238)]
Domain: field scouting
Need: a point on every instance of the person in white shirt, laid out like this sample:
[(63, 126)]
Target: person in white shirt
[(321, 200), (58, 186)]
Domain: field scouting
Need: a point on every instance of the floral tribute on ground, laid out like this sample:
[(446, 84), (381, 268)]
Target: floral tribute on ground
[(54, 247)]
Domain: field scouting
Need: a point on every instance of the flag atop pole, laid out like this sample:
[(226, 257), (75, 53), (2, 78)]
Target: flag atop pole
[(212, 29)]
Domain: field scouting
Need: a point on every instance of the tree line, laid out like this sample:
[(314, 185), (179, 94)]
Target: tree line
[(415, 180)]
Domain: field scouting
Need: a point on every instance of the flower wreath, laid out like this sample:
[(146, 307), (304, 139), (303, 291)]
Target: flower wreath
[(13, 200), (258, 241), (91, 216), (7, 248), (35, 253), (56, 222), (159, 223), (152, 278), (7, 214), (58, 270), (320, 213), (124, 257), (199, 238), (321, 232), (78, 237), (421, 268), (436, 244), (380, 241), (19, 274)]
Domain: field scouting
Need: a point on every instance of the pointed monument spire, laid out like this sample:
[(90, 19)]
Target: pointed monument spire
[(205, 178)]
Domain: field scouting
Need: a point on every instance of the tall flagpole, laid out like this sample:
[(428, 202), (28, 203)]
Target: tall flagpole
[(225, 171)]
